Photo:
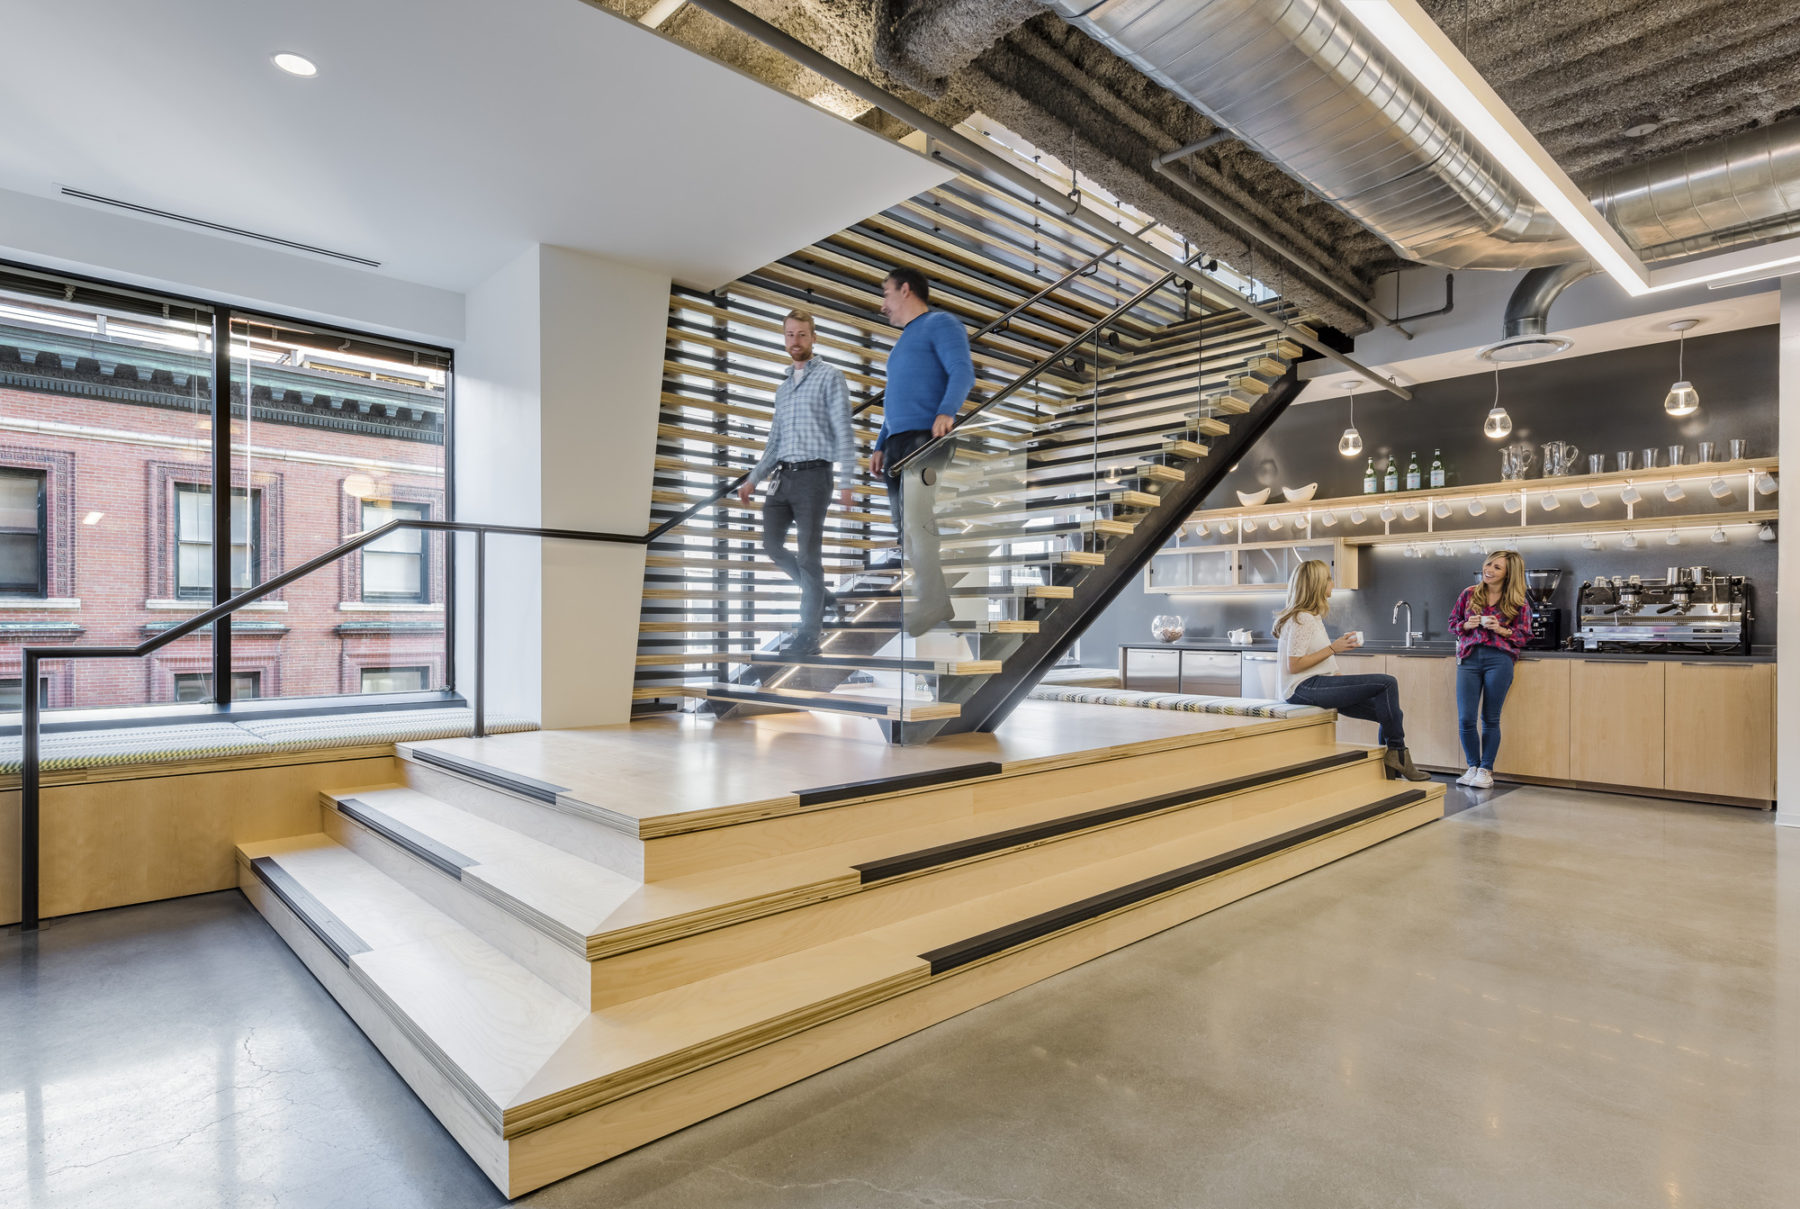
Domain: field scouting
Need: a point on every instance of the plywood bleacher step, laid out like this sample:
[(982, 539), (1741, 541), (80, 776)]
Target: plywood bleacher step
[(535, 1086)]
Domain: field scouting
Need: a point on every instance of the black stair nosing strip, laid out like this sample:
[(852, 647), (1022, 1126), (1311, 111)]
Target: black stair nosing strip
[(438, 855), (530, 787), (1012, 837), (825, 794), (332, 932), (751, 697), (998, 940)]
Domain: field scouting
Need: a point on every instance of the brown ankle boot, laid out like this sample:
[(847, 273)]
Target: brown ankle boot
[(1399, 764)]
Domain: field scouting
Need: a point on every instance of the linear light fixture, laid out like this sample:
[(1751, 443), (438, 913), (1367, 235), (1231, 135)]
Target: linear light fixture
[(1416, 42)]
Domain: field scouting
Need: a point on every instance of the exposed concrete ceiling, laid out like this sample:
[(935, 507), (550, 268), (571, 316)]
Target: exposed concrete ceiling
[(1578, 75)]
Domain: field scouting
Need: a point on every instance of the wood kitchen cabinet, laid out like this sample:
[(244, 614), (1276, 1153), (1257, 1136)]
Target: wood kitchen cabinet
[(1353, 730), (1534, 724), (1617, 731), (1717, 737), (1428, 698)]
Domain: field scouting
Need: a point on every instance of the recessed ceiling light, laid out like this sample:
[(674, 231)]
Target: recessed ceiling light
[(1642, 127), (295, 65)]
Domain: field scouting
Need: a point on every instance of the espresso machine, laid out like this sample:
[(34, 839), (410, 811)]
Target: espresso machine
[(1689, 611), (1546, 620)]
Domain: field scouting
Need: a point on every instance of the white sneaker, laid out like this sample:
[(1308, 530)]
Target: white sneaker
[(1468, 776), (1483, 779)]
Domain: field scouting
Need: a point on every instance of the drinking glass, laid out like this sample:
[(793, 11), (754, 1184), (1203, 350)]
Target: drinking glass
[(1707, 450), (1649, 459), (1675, 452), (1624, 456), (1596, 463), (1739, 450)]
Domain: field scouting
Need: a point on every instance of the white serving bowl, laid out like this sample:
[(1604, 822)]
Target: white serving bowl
[(1251, 499), (1299, 495)]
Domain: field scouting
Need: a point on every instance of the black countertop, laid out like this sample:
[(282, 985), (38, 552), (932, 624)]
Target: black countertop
[(1442, 649)]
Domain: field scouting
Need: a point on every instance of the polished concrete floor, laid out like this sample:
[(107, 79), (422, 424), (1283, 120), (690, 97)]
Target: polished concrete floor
[(1550, 999)]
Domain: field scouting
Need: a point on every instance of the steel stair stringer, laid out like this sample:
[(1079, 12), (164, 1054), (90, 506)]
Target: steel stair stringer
[(997, 696)]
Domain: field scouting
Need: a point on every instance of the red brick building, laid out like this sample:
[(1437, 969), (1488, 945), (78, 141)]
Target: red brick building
[(105, 512)]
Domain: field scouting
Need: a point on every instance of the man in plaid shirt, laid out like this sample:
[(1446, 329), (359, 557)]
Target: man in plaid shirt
[(810, 432)]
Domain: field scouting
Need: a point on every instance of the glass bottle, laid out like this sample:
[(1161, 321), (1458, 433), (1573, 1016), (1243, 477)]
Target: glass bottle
[(1369, 477), (1390, 481), (1413, 478), (1438, 478)]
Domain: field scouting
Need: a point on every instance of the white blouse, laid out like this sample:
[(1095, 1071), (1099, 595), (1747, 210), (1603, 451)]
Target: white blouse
[(1302, 635)]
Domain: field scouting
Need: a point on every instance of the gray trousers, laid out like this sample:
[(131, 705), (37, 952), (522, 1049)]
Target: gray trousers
[(914, 505), (800, 499)]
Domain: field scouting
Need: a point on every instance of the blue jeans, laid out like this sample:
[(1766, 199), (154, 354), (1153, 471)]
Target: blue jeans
[(1481, 683), (1369, 698)]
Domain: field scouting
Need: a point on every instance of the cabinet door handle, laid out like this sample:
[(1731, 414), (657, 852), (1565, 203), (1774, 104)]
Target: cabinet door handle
[(1687, 664), (1623, 662)]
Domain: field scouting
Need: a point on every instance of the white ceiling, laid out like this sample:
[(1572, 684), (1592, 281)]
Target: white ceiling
[(440, 137), (1330, 380)]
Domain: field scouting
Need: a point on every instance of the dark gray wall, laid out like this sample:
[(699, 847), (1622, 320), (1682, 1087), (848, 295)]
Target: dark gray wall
[(1602, 403)]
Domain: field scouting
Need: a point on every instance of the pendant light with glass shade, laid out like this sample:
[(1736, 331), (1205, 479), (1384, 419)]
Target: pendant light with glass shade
[(1498, 422), (1682, 399), (1351, 443)]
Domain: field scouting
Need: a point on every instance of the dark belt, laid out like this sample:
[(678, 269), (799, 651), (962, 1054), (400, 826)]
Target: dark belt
[(814, 464)]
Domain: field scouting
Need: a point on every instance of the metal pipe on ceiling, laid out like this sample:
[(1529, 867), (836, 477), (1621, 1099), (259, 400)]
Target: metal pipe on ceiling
[(966, 149), (1305, 86)]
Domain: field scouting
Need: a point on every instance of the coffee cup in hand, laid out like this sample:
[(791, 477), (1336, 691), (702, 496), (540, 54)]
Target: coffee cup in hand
[(1355, 637)]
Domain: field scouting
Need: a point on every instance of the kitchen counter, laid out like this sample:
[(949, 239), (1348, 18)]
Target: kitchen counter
[(1441, 648)]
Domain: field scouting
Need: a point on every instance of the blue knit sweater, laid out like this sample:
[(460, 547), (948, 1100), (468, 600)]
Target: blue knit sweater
[(929, 374)]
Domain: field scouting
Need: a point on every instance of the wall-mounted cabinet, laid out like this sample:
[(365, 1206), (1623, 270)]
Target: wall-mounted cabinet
[(1259, 566)]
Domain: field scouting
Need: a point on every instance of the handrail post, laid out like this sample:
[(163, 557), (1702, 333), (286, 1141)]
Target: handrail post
[(481, 633), (28, 793)]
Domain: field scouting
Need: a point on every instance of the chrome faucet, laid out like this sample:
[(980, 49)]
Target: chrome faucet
[(1409, 631)]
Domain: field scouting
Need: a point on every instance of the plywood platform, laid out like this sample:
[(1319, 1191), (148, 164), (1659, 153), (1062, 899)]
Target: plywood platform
[(572, 942)]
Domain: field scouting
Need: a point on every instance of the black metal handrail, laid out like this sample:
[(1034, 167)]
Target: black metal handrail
[(1044, 363), (31, 718)]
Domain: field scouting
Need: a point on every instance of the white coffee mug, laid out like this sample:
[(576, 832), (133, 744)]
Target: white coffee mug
[(1356, 637), (1720, 489)]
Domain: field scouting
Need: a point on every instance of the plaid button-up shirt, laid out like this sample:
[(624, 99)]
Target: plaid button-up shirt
[(812, 423)]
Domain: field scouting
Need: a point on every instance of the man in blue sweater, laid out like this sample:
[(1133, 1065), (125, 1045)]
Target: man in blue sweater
[(929, 375)]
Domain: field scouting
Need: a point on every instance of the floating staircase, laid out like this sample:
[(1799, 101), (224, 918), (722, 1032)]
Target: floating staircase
[(562, 977), (1102, 441)]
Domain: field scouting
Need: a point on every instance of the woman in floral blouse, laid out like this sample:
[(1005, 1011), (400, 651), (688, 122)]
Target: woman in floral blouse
[(1492, 622)]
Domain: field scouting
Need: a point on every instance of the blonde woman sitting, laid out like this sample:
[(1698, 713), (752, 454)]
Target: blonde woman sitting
[(1306, 656)]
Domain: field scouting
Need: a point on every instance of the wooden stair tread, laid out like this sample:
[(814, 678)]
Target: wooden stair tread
[(561, 894), (896, 708), (483, 1020), (624, 1047)]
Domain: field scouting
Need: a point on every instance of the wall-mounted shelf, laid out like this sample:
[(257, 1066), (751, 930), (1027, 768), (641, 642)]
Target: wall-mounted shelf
[(1246, 567), (1650, 512)]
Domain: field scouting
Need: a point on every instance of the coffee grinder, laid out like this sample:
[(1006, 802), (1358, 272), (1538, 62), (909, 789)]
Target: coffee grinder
[(1546, 620)]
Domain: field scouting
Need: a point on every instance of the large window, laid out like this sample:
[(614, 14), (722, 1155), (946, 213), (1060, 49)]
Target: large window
[(194, 540), (23, 562), (119, 437), (394, 568)]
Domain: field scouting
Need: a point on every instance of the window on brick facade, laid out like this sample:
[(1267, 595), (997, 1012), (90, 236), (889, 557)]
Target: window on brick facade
[(12, 698), (198, 686), (193, 541), (394, 568), (24, 565), (394, 679)]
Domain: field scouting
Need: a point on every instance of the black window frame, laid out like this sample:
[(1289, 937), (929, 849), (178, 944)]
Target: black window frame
[(423, 595), (32, 279), (42, 591)]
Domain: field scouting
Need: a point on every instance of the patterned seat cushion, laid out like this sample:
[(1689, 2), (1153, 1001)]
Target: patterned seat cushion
[(1244, 707)]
